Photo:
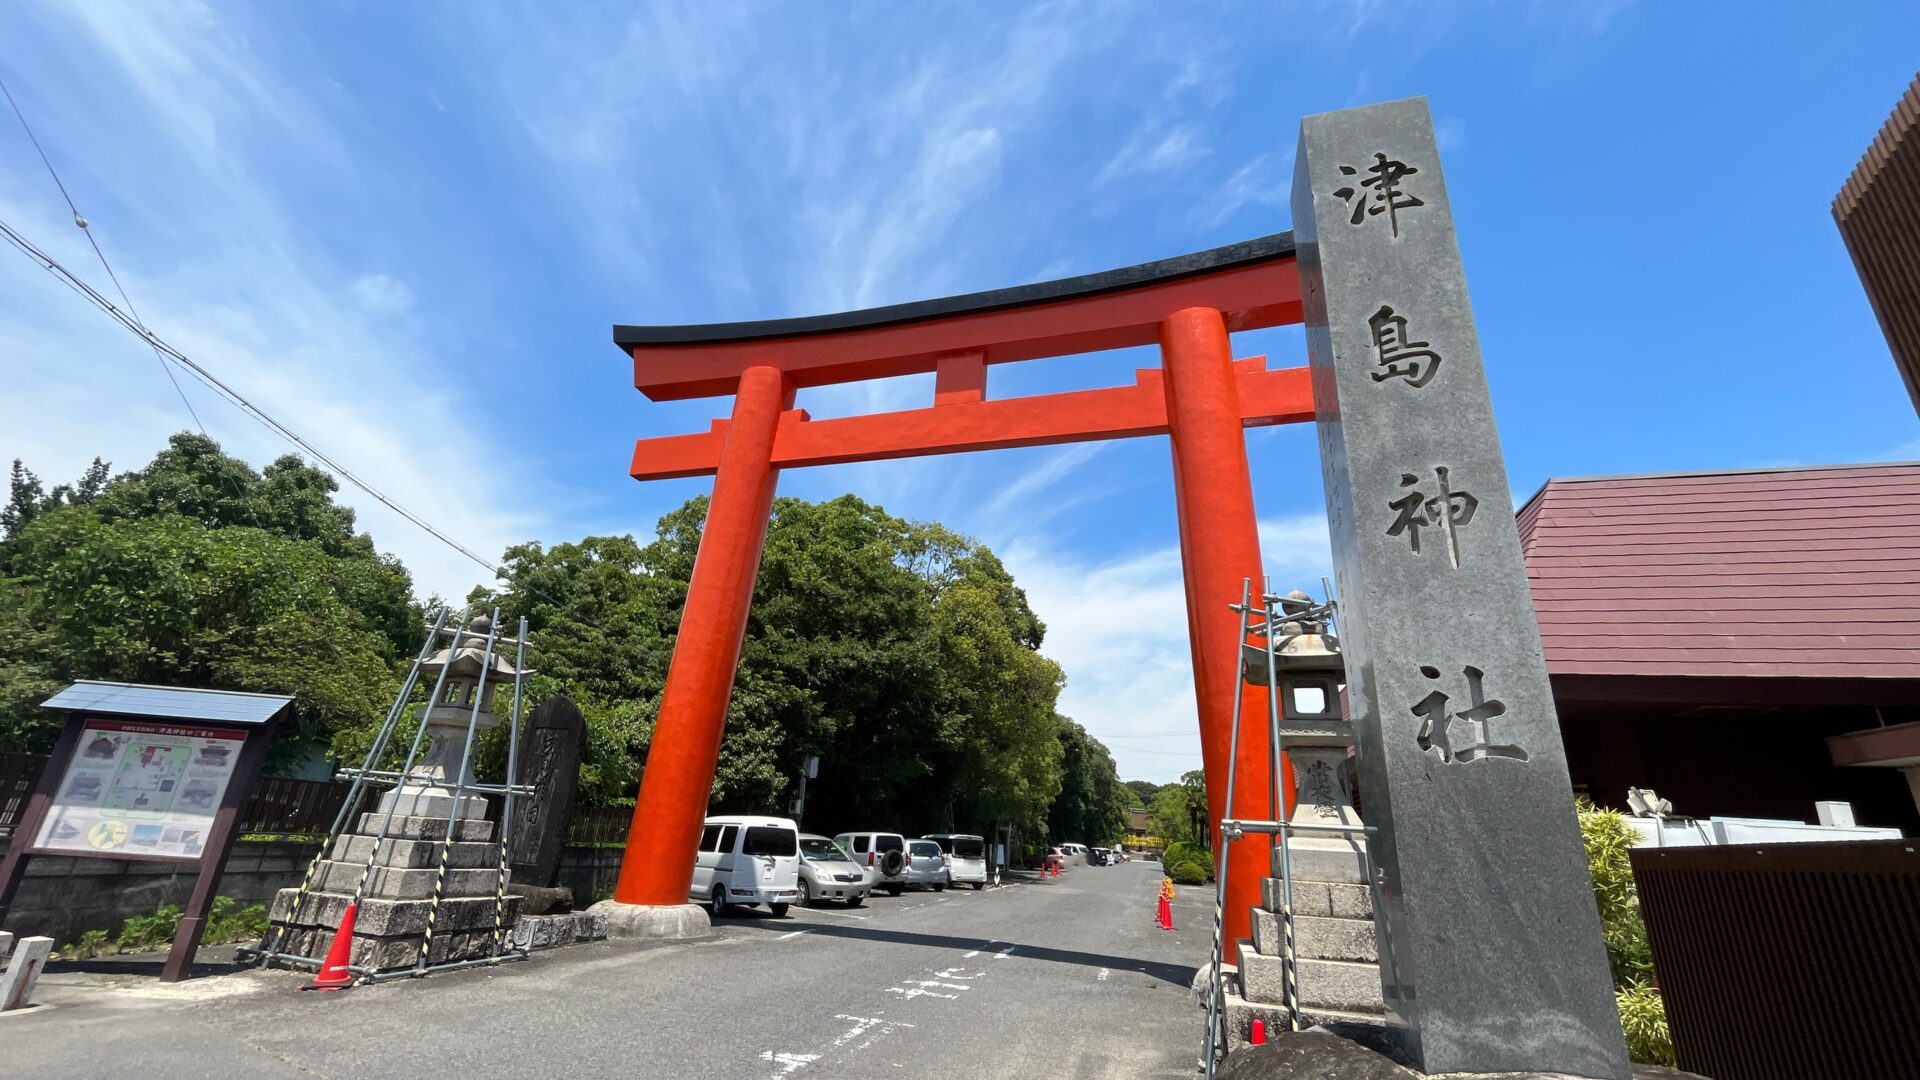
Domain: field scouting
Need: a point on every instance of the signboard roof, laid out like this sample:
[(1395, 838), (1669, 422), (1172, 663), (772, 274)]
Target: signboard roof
[(133, 699)]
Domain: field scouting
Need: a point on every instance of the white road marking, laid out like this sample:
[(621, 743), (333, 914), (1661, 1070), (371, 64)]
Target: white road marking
[(942, 985), (971, 955), (950, 973), (789, 1063), (795, 933), (1002, 954), (1102, 976), (909, 995), (841, 914)]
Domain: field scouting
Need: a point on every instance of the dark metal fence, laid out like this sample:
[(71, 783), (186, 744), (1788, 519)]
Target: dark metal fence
[(293, 807), (599, 826), (1788, 960), (18, 775)]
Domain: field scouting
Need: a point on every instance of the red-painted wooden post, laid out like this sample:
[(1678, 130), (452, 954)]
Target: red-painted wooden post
[(658, 867), (1219, 549)]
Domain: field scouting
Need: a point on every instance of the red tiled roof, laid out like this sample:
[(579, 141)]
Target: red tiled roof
[(1782, 573)]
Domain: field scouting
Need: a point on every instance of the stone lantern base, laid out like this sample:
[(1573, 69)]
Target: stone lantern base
[(475, 915)]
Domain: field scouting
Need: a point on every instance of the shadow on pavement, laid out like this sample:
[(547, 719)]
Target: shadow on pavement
[(209, 960), (1180, 975)]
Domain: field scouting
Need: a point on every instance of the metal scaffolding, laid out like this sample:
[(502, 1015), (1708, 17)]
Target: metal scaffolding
[(1267, 622)]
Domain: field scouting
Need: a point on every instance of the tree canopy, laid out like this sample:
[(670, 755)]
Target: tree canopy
[(900, 653), (198, 571)]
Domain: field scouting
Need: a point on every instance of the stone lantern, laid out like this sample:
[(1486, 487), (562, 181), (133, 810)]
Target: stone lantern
[(1332, 895), (429, 790), (1311, 674)]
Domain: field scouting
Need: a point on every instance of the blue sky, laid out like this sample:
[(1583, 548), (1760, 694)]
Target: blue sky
[(407, 229)]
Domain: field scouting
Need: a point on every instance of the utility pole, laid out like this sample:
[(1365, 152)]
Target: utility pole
[(810, 769)]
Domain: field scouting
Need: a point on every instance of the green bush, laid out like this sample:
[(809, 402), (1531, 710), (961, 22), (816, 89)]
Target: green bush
[(1184, 852), (1187, 873), (1608, 839), (1643, 1017), (225, 924), (144, 933), (147, 933)]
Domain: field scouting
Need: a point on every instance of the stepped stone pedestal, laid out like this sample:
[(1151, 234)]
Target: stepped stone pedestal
[(391, 922), (1336, 950)]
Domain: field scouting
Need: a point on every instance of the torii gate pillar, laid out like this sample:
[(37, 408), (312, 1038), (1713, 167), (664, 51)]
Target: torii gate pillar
[(693, 707)]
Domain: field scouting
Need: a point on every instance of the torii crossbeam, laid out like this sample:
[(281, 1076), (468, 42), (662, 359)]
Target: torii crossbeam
[(1200, 397)]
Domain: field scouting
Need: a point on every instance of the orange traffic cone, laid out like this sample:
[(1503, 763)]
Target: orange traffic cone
[(1259, 1033), (1166, 914), (333, 973)]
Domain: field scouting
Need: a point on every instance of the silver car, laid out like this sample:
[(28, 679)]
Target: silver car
[(882, 854), (926, 865), (828, 872)]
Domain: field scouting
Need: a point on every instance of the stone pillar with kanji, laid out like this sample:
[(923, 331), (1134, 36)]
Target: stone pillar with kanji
[(1490, 952)]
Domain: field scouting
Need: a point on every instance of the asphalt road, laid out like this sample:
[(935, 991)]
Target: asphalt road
[(1061, 977)]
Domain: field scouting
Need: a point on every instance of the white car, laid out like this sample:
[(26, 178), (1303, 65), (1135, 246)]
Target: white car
[(747, 860), (966, 858), (926, 865)]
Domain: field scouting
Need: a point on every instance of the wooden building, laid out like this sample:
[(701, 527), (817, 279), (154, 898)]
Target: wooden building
[(1878, 211), (1746, 643)]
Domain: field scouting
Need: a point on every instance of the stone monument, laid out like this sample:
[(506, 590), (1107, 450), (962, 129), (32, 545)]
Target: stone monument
[(550, 765), (1490, 950), (413, 909)]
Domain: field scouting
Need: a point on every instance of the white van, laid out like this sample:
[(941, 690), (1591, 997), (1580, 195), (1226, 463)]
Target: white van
[(747, 860), (966, 858)]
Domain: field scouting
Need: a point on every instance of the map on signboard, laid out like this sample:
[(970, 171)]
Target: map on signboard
[(141, 789)]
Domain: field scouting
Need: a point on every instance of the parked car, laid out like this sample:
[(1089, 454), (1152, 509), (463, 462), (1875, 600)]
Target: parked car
[(883, 855), (966, 858), (828, 872), (747, 860), (1099, 857), (926, 865)]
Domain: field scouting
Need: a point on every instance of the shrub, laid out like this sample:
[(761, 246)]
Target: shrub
[(1608, 839), (1193, 853), (91, 944), (224, 924), (143, 933), (1187, 873), (1643, 1017)]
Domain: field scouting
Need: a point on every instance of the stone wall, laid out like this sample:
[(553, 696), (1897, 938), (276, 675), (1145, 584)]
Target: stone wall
[(63, 898), (589, 872)]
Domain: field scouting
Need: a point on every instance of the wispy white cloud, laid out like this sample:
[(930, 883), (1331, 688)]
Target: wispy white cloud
[(1265, 182), (1153, 148), (382, 293), (185, 196), (1118, 626)]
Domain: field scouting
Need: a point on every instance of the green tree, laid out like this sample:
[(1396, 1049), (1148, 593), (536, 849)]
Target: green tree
[(1179, 810), (1143, 791), (902, 654), (1092, 804), (197, 571)]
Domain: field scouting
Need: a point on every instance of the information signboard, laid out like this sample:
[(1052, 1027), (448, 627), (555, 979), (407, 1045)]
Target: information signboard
[(134, 788)]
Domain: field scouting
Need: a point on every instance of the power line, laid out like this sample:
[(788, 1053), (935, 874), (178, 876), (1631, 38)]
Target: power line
[(233, 397), (81, 221), (238, 401)]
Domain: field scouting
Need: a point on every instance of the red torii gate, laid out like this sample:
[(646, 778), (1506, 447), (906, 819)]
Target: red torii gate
[(1200, 396)]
